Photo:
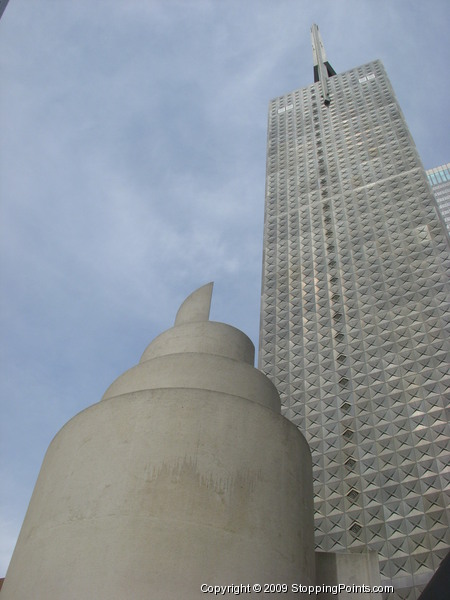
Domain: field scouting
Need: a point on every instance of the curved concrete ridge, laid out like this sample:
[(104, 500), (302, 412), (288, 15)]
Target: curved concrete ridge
[(192, 370), (196, 307), (199, 354), (209, 337), (163, 395), (187, 462)]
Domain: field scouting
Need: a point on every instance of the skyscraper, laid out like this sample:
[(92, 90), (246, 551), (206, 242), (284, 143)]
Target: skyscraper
[(353, 312), (439, 178)]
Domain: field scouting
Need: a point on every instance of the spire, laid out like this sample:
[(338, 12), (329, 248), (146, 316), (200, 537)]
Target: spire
[(196, 307), (322, 68)]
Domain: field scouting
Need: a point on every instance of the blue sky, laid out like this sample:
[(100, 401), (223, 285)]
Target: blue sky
[(132, 169)]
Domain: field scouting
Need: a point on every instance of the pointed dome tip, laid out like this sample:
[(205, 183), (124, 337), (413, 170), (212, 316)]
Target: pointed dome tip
[(196, 307)]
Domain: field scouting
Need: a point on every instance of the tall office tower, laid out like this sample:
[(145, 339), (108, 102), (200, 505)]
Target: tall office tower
[(439, 179), (354, 298)]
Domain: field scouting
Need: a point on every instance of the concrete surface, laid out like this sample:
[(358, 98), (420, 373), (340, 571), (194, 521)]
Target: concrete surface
[(185, 473)]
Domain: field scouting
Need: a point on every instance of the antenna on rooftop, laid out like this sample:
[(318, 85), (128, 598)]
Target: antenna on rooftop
[(322, 68)]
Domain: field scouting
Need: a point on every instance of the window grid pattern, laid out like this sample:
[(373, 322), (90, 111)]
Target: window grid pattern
[(354, 320), (439, 179)]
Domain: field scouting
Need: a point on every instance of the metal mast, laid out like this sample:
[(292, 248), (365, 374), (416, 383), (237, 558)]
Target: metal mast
[(322, 68)]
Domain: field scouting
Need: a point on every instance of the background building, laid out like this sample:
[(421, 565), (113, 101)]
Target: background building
[(439, 178), (354, 298), (3, 4)]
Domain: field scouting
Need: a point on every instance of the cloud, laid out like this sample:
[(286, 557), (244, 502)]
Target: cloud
[(132, 172)]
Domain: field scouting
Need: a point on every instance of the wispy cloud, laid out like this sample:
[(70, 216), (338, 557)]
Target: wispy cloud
[(132, 171)]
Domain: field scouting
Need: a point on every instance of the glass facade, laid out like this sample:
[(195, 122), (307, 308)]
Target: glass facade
[(439, 178), (354, 310)]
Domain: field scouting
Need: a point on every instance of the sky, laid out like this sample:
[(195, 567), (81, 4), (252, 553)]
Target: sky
[(132, 171)]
